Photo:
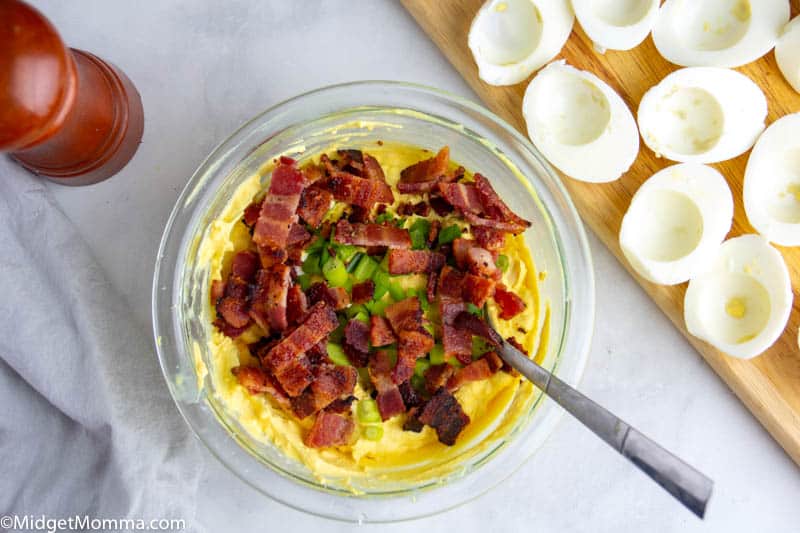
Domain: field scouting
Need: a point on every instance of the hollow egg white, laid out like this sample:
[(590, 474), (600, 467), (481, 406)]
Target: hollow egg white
[(702, 115), (787, 53), (616, 24), (510, 39), (580, 124)]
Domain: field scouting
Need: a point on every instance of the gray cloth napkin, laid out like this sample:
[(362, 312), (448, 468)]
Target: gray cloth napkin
[(87, 425)]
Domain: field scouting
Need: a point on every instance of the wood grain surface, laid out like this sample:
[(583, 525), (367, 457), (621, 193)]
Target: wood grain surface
[(769, 385)]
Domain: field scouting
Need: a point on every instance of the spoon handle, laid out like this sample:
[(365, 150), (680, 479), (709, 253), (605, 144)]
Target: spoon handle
[(685, 483)]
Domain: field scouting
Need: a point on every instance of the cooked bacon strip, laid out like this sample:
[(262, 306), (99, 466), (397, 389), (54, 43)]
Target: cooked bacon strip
[(295, 376), (451, 283), (414, 261), (319, 322), (356, 334), (318, 354), (296, 305), (272, 256), (445, 415), (217, 291), (461, 248), (362, 292), (372, 169), (475, 371), (268, 307), (491, 239), (331, 382), (314, 205), (297, 235), (464, 197), (494, 361), (481, 263), (359, 191), (380, 333), (329, 429), (256, 381), (456, 342), (389, 399), (411, 345), (251, 212), (440, 206), (371, 235), (424, 175), (509, 303), (278, 210), (244, 265), (500, 225), (495, 208), (358, 215), (477, 326), (335, 297), (477, 290), (437, 377)]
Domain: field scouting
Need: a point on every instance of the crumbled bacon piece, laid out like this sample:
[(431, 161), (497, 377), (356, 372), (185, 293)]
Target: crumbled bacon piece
[(380, 333), (481, 263), (424, 175), (295, 376), (410, 396), (412, 422), (244, 265), (314, 205), (372, 169), (477, 326), (250, 216), (330, 383), (491, 239), (228, 330), (329, 429), (414, 261), (356, 357), (405, 315), (296, 305), (475, 371), (476, 289), (437, 376), (234, 311), (269, 298), (359, 191), (217, 291), (362, 292), (433, 232), (456, 342), (298, 235), (318, 354), (319, 322), (272, 256), (356, 334), (256, 381), (509, 303), (336, 297), (342, 405), (440, 206), (371, 235), (464, 197), (411, 345), (278, 210), (494, 361), (461, 248), (389, 399), (443, 413), (495, 208)]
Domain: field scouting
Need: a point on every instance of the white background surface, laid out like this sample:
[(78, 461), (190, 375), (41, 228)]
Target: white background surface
[(204, 67)]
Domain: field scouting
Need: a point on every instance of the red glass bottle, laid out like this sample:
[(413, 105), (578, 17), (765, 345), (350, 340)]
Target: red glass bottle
[(64, 114)]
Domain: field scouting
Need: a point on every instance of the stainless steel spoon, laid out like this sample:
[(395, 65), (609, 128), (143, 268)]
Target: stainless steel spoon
[(689, 486)]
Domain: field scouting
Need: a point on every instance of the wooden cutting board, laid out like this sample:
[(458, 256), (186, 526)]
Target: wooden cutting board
[(769, 385)]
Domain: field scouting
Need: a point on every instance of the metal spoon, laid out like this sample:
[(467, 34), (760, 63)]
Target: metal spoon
[(685, 483)]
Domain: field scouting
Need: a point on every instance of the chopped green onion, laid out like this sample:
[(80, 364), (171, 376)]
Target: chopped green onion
[(373, 432), (384, 217), (362, 317), (311, 264), (502, 262), (474, 309), (455, 363), (317, 245), (479, 347), (437, 354), (367, 411), (382, 282), (346, 252), (355, 309), (335, 272), (449, 234), (363, 375), (429, 328), (421, 366), (338, 334), (384, 264), (366, 267), (337, 355), (397, 291), (419, 234), (422, 294), (354, 261), (418, 382), (304, 281), (324, 256), (377, 307)]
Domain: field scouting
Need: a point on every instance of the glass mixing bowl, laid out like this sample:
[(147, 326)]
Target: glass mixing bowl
[(363, 113)]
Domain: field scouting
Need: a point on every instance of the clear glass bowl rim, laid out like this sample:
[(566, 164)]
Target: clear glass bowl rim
[(234, 149)]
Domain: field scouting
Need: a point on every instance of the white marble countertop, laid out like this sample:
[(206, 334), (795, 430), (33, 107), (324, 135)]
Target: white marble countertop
[(204, 67)]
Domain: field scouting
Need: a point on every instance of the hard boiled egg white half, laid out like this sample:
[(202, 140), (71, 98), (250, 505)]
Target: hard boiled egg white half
[(787, 53), (580, 124), (510, 39), (772, 183), (718, 33), (616, 24), (742, 303), (676, 222), (702, 115)]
